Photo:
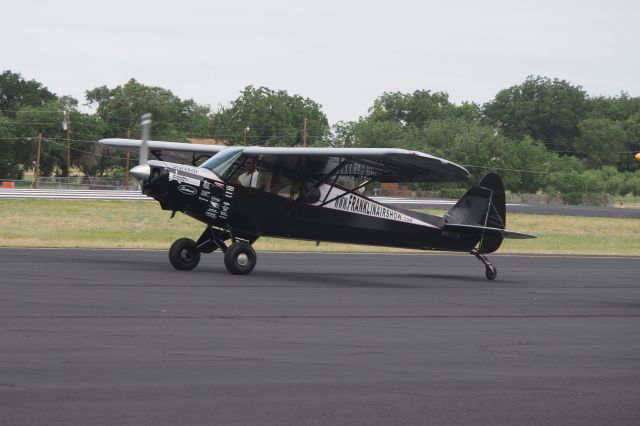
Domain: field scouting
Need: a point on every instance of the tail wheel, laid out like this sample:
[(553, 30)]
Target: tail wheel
[(240, 258), (491, 272), (183, 254)]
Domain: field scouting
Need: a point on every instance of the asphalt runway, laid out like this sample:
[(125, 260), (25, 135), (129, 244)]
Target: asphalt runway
[(107, 337)]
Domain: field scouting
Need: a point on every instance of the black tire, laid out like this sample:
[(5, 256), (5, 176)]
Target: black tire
[(491, 273), (240, 258), (183, 254)]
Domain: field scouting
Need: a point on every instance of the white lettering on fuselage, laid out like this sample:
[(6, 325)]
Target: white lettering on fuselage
[(185, 168), (184, 179), (361, 205), (355, 204)]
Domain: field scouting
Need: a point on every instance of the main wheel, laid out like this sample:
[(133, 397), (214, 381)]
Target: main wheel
[(183, 254), (240, 258), (491, 272)]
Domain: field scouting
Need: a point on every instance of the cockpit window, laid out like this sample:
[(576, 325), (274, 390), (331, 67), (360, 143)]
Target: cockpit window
[(277, 177), (225, 162)]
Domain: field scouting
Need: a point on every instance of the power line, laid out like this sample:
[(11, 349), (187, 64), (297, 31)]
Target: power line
[(25, 123), (62, 143), (276, 138), (83, 151), (292, 129), (519, 170)]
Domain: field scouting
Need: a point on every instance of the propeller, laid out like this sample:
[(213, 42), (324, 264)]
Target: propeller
[(142, 170)]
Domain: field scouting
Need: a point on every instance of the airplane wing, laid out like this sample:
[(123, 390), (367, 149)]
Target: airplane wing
[(381, 164), (168, 151)]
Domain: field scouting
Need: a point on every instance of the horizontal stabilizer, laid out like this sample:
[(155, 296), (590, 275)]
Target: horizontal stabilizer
[(503, 232)]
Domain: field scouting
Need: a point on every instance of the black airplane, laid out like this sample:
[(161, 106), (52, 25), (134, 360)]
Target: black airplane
[(242, 193)]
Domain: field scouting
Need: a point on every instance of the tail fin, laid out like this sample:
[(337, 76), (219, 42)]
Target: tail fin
[(482, 208)]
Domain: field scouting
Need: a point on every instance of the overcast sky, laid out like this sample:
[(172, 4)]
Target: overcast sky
[(342, 54)]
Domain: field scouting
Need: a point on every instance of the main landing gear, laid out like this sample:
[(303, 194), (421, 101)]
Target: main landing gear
[(491, 271), (239, 257), (184, 255)]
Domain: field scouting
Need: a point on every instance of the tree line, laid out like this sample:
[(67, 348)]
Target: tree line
[(541, 135)]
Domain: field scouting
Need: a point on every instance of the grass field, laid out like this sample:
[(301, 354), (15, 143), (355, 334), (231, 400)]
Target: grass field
[(142, 224)]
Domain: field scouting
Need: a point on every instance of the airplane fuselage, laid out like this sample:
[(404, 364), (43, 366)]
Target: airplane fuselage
[(335, 214)]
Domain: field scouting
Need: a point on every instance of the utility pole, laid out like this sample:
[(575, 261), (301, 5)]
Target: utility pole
[(246, 130), (68, 145), (304, 132), (126, 167), (37, 171)]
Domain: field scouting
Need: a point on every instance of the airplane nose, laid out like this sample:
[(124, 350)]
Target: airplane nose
[(141, 172)]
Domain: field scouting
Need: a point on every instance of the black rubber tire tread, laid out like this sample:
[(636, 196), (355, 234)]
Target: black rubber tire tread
[(491, 273), (183, 254), (231, 256)]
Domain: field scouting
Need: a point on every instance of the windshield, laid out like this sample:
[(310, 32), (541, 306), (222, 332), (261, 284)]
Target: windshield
[(224, 162)]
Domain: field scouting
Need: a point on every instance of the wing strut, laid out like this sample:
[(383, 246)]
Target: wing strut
[(351, 191), (335, 170)]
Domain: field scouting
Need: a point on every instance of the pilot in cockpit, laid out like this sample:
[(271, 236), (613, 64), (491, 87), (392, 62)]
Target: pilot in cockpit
[(250, 176)]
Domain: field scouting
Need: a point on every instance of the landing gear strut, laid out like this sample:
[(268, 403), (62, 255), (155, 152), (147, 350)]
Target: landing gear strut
[(239, 258), (491, 272)]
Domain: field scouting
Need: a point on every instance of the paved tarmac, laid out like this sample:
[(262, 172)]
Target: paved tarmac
[(566, 210), (107, 337)]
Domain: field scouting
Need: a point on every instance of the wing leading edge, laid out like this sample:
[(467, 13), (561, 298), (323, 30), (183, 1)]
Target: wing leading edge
[(133, 145)]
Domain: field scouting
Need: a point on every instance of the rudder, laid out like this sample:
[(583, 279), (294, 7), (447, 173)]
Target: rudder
[(496, 215), (483, 205)]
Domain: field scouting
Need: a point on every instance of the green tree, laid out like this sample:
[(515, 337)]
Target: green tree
[(565, 175), (379, 134), (415, 109), (547, 110), (343, 135), (88, 155), (122, 107), (601, 142), (527, 164), (632, 143), (16, 144), (16, 93), (631, 184), (617, 108), (11, 148), (47, 120), (613, 180), (270, 118)]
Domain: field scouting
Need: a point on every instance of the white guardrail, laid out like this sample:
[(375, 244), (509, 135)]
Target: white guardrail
[(79, 194), (75, 194)]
